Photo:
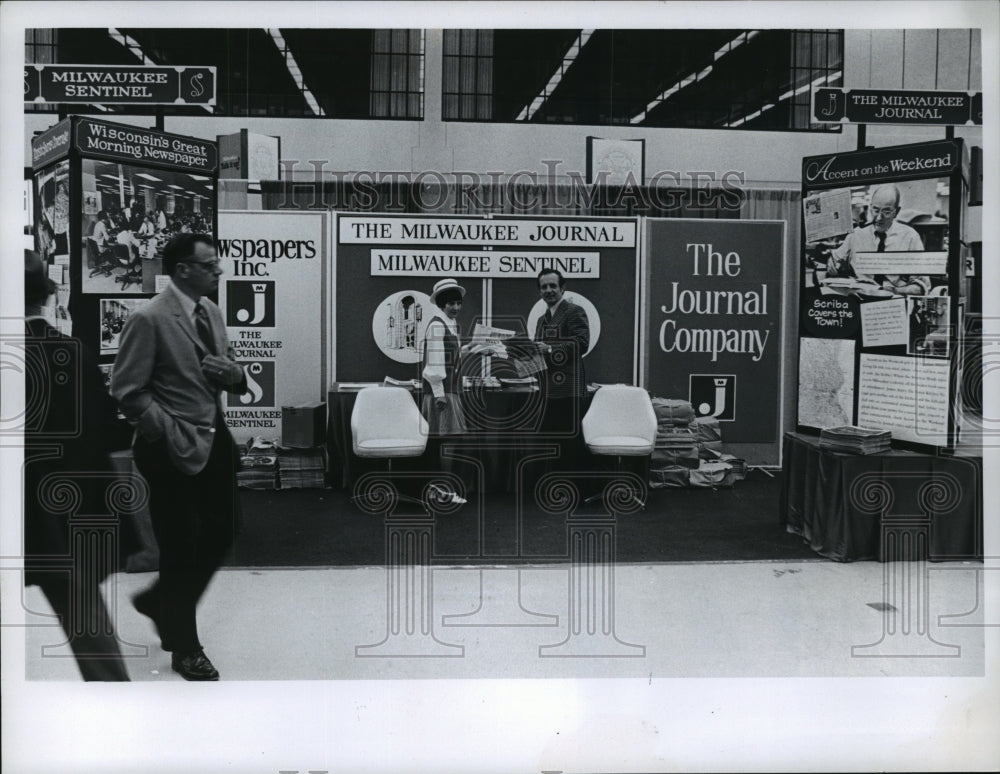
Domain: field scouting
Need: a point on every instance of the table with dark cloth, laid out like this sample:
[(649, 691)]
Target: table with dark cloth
[(889, 506), (501, 425)]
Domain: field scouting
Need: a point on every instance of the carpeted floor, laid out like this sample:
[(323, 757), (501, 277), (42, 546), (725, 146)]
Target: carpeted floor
[(321, 527)]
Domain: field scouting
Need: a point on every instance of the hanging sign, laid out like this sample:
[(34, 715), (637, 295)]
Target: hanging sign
[(136, 145), (900, 162), (117, 85), (897, 106)]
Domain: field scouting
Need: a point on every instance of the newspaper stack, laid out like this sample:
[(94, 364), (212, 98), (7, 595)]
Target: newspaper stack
[(850, 439), (302, 468), (258, 464)]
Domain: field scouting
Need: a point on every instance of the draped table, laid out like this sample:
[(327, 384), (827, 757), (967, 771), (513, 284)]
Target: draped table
[(889, 506)]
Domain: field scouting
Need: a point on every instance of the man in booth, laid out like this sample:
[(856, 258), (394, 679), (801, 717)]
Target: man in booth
[(883, 235), (173, 364), (562, 337)]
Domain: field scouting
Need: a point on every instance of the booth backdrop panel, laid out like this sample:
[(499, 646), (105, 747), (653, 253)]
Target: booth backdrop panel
[(272, 296), (818, 503), (715, 324), (361, 302), (382, 283), (614, 300)]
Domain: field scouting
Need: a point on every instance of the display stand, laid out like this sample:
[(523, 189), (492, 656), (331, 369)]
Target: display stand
[(107, 197), (883, 292)]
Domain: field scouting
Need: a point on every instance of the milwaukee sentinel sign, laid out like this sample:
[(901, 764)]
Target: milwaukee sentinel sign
[(111, 84)]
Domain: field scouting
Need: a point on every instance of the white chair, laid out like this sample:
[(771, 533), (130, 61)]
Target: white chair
[(620, 423), (386, 424)]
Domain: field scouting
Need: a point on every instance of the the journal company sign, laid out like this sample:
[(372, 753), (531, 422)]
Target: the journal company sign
[(111, 84)]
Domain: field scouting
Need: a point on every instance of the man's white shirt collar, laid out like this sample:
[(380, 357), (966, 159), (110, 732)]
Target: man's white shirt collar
[(186, 303)]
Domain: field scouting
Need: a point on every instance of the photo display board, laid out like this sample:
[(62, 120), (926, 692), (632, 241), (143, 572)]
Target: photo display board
[(386, 267), (715, 321), (272, 296), (881, 294), (108, 197)]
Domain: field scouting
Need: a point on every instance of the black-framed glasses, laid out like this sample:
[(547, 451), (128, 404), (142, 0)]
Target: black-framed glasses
[(212, 265)]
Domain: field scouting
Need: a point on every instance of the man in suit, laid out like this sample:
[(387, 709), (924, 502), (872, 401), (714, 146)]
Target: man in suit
[(65, 447), (562, 336), (883, 235), (173, 363)]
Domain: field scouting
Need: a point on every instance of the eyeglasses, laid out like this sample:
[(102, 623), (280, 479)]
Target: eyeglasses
[(884, 211), (211, 265)]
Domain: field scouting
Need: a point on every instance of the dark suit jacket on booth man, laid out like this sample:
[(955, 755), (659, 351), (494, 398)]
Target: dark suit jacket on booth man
[(568, 333)]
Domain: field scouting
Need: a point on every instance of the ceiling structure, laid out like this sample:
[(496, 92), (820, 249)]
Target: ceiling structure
[(705, 78)]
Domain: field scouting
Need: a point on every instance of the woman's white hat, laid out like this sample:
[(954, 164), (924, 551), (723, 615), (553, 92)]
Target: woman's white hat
[(446, 284)]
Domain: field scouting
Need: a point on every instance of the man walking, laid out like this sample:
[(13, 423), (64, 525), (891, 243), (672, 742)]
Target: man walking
[(172, 365), (65, 446)]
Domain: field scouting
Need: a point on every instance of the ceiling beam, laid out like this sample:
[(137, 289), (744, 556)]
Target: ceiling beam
[(744, 37), (294, 70), (567, 61)]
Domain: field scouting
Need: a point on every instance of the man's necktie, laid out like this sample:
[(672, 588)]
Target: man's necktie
[(880, 236), (204, 328)]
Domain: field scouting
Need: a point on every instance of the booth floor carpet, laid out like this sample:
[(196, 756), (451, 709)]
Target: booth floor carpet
[(323, 528)]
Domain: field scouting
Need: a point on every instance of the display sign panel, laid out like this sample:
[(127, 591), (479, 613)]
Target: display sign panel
[(131, 144), (273, 302), (715, 321), (897, 106), (51, 144), (117, 84), (880, 275), (882, 164), (387, 265)]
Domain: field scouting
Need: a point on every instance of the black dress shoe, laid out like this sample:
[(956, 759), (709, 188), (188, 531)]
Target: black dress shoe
[(193, 666)]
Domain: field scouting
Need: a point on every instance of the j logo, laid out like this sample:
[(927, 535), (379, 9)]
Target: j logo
[(250, 303), (714, 396)]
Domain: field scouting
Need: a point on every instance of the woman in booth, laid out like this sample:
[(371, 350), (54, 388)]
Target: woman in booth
[(442, 406)]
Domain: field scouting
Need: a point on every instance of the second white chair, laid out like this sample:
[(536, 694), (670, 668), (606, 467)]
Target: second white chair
[(620, 423)]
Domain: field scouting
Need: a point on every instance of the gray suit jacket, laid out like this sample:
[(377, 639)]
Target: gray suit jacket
[(158, 382)]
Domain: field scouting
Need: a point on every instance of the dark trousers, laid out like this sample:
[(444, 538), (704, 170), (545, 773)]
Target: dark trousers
[(194, 520), (84, 618)]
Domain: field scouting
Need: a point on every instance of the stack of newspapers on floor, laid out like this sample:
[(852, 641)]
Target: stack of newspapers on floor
[(258, 464), (850, 439), (302, 468), (265, 464)]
